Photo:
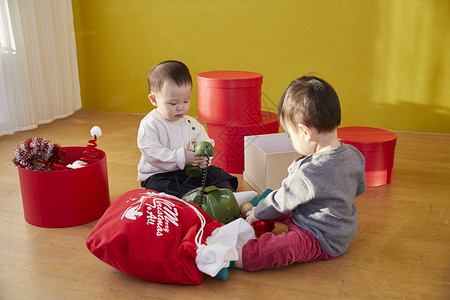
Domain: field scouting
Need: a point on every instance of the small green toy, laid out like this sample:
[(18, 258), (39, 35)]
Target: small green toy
[(219, 203), (192, 171), (202, 149)]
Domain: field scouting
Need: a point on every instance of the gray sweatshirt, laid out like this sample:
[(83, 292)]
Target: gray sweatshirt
[(320, 191)]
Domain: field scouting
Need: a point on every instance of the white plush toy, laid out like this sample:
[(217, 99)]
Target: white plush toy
[(76, 164)]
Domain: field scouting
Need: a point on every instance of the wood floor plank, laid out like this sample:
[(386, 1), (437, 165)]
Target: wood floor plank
[(58, 268)]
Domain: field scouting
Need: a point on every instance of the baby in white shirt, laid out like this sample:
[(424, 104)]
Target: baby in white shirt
[(167, 136)]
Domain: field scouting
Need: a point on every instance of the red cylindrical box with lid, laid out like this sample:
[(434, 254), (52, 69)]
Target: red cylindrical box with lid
[(378, 148), (64, 198), (229, 97), (229, 140)]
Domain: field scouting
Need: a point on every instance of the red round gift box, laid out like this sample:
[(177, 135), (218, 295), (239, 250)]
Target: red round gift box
[(378, 148), (229, 97), (64, 198), (229, 141)]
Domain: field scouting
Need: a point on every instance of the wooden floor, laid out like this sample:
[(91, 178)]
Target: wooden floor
[(401, 250)]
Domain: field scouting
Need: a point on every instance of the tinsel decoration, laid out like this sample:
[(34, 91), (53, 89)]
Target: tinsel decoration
[(38, 154)]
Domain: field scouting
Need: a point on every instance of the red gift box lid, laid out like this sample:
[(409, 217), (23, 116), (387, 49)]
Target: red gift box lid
[(367, 138), (229, 79)]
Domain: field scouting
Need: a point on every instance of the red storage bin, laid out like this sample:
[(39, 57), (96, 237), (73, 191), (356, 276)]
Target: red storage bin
[(229, 97), (229, 141), (65, 198), (378, 148)]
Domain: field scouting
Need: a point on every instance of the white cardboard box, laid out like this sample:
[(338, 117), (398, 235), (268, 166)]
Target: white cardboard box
[(266, 159)]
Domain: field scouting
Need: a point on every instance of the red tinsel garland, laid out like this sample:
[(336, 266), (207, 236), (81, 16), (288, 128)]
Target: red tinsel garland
[(38, 154)]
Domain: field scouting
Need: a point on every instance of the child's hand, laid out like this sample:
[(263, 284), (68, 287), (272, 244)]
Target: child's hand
[(201, 160), (189, 155), (192, 159), (251, 216)]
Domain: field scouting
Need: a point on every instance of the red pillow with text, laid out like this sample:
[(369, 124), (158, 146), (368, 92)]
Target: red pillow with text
[(152, 236)]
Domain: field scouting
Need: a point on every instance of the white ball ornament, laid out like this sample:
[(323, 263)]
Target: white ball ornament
[(96, 131)]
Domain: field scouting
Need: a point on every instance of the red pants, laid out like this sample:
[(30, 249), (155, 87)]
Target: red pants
[(270, 250)]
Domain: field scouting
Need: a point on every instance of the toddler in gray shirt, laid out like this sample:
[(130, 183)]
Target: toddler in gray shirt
[(318, 194)]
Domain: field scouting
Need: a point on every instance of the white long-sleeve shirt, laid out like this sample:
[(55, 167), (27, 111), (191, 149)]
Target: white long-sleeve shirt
[(162, 142)]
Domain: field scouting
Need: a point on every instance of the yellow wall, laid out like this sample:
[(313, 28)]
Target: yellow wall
[(388, 60)]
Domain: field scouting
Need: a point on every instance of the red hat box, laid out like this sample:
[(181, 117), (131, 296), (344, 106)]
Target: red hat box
[(378, 148), (65, 198), (229, 97)]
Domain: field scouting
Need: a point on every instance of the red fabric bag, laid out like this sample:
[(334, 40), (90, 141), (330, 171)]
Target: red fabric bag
[(152, 236)]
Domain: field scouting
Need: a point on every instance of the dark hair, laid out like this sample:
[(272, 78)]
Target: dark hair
[(173, 70), (311, 101)]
